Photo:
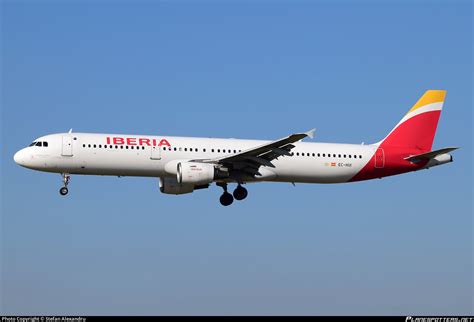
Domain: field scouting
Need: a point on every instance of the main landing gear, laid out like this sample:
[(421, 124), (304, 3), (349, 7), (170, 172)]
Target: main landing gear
[(63, 191), (240, 193)]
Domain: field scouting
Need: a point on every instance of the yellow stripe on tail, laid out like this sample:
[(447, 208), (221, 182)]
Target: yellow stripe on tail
[(431, 96)]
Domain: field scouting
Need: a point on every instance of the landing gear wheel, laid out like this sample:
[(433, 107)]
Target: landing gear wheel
[(66, 177), (226, 199), (240, 193)]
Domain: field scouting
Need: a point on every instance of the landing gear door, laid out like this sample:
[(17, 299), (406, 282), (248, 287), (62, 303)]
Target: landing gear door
[(155, 153), (67, 146)]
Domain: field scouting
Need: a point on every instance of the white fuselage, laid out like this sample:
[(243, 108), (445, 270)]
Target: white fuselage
[(157, 156)]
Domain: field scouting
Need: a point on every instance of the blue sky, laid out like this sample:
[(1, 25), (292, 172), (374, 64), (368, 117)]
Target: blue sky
[(401, 245)]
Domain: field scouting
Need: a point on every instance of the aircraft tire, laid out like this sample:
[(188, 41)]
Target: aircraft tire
[(226, 199)]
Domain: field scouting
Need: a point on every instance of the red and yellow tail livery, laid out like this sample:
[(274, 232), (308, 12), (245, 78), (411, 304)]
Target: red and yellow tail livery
[(408, 146)]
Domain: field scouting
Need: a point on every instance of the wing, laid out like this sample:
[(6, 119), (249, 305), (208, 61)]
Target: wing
[(246, 164)]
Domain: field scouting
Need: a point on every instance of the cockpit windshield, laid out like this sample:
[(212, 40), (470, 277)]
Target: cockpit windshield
[(39, 143)]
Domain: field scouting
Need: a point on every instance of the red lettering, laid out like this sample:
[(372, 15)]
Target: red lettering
[(164, 142), (144, 141), (119, 141), (133, 141)]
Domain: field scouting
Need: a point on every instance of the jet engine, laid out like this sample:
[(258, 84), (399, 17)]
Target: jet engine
[(197, 173), (171, 186)]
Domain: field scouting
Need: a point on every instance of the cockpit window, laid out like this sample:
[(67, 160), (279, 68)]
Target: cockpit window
[(32, 144), (38, 144), (45, 143)]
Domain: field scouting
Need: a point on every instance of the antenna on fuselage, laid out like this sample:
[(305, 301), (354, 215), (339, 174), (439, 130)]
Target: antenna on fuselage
[(70, 131)]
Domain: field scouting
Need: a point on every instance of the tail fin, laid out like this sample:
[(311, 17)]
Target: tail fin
[(418, 127)]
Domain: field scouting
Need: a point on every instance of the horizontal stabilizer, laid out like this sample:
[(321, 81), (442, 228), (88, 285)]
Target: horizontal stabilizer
[(429, 155)]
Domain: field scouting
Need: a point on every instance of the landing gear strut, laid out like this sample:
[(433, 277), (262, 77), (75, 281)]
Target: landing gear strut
[(66, 177), (226, 199)]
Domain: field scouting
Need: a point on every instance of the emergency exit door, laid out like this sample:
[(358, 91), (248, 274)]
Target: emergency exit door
[(155, 153), (67, 146)]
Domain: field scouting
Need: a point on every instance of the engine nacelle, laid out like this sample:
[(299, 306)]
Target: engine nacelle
[(196, 173), (172, 187), (439, 160)]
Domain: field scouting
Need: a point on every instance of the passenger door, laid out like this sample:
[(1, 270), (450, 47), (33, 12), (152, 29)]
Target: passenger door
[(67, 146), (379, 158)]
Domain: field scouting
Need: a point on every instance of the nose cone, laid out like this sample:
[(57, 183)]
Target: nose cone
[(20, 157)]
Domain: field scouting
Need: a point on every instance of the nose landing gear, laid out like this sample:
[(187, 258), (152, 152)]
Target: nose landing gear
[(63, 191)]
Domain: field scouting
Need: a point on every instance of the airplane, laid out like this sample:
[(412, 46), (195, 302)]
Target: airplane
[(185, 164)]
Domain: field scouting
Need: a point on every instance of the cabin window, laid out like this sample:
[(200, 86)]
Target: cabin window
[(339, 156), (83, 145), (95, 146), (360, 157)]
